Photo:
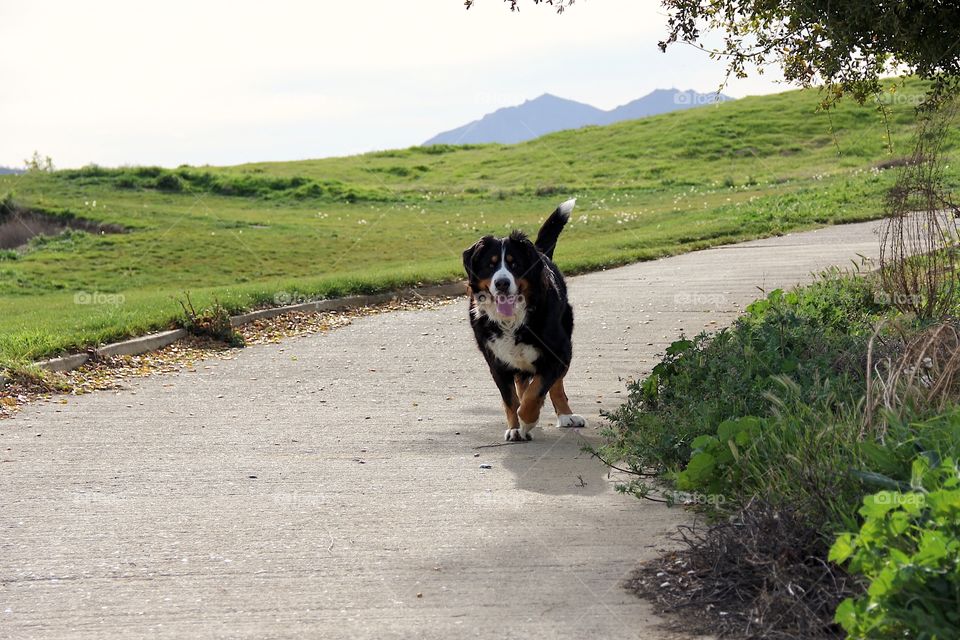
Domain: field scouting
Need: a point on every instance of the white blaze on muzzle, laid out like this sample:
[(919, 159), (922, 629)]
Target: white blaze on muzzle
[(506, 301)]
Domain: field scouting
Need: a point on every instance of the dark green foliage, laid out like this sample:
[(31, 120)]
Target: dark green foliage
[(241, 186), (169, 182), (908, 548), (849, 46), (846, 45), (809, 335), (770, 412), (550, 190), (7, 205), (439, 149)]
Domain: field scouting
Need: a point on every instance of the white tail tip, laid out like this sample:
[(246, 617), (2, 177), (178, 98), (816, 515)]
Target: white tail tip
[(566, 208)]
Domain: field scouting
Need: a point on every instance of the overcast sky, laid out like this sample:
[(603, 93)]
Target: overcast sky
[(211, 82)]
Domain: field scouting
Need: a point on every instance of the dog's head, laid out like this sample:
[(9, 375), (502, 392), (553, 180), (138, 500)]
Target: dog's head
[(503, 272)]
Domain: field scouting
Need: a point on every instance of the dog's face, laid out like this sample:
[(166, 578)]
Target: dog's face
[(500, 272)]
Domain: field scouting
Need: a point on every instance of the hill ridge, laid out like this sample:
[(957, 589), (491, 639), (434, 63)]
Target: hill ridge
[(548, 113)]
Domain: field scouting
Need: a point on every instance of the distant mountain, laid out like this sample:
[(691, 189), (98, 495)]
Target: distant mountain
[(8, 170), (549, 113)]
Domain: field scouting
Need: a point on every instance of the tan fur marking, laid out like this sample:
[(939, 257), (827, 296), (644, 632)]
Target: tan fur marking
[(512, 421), (522, 382), (559, 398), (523, 286), (532, 401)]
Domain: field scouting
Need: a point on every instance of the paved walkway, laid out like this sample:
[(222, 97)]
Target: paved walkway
[(328, 486)]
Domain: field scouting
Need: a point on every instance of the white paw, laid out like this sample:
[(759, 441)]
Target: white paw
[(519, 435), (571, 420)]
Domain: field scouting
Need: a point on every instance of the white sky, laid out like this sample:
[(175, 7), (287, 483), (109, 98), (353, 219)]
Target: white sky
[(219, 82)]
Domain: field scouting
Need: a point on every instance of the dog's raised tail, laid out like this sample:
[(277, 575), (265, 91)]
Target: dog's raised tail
[(550, 231)]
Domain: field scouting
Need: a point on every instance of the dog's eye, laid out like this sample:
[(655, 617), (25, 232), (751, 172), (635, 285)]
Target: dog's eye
[(509, 258), (494, 259)]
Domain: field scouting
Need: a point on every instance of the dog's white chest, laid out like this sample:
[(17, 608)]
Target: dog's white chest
[(518, 355)]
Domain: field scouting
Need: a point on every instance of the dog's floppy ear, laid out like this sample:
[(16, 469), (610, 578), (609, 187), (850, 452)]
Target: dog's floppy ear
[(470, 255), (533, 256)]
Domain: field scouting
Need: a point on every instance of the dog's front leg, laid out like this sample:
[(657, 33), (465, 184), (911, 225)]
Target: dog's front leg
[(511, 402), (531, 403)]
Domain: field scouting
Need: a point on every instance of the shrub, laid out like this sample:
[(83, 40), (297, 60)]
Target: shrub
[(803, 457), (7, 205), (438, 149), (908, 549), (809, 335), (185, 179), (66, 240), (148, 172), (169, 182), (550, 190), (767, 423), (213, 322)]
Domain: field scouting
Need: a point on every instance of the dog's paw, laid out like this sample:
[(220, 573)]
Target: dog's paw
[(517, 435), (571, 420)]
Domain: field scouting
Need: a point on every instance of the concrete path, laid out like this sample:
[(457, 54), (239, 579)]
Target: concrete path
[(328, 486)]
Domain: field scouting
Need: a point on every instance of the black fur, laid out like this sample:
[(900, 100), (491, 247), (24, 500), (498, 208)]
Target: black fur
[(548, 321), (550, 232)]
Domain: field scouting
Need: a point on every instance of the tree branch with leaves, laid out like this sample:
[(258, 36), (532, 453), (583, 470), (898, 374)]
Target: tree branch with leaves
[(846, 45)]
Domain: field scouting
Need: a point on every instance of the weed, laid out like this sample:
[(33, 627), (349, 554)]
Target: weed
[(213, 322)]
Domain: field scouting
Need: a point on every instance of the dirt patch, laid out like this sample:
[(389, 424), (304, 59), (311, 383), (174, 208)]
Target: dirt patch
[(762, 574), (18, 226)]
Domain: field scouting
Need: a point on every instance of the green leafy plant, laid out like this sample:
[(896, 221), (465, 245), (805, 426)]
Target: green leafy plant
[(908, 549), (714, 464)]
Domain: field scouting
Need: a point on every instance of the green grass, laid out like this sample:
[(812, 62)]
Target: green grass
[(659, 186)]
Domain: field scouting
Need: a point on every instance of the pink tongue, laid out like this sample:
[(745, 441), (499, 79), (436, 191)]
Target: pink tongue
[(505, 306)]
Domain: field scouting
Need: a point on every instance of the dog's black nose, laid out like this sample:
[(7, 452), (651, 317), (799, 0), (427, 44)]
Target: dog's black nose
[(502, 284)]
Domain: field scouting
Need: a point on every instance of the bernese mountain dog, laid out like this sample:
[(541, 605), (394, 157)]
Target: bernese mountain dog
[(523, 323)]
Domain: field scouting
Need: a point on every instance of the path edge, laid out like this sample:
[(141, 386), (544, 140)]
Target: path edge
[(160, 339)]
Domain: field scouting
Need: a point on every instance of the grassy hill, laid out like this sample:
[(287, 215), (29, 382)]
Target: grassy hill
[(244, 234)]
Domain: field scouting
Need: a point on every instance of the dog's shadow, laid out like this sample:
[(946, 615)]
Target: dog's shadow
[(553, 463)]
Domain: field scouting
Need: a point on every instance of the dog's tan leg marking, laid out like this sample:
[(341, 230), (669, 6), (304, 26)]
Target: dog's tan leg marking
[(531, 402), (522, 383), (565, 416), (559, 398), (511, 410)]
